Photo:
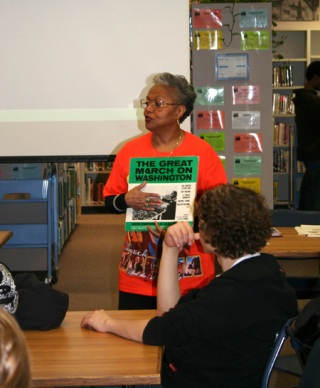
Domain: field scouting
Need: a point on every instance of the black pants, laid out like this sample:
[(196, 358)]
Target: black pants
[(128, 301)]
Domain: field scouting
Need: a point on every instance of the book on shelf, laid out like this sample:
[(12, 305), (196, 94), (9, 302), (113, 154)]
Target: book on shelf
[(282, 104), (280, 160), (174, 179), (98, 166), (282, 76), (282, 133), (94, 192)]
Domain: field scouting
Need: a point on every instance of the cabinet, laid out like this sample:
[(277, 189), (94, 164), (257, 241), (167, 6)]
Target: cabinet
[(301, 45), (39, 203), (94, 176), (27, 208)]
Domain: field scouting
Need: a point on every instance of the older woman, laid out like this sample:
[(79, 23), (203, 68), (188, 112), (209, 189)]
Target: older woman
[(168, 103)]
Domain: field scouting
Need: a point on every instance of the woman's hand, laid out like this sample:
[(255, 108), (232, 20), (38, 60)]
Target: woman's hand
[(158, 232), (139, 200)]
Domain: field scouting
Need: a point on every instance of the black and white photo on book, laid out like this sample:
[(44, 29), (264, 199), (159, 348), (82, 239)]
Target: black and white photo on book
[(174, 179)]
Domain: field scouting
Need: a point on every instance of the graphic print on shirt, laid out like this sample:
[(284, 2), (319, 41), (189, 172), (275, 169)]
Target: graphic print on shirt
[(139, 258)]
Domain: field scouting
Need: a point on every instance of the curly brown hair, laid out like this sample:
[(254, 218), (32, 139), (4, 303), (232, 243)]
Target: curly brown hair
[(235, 220)]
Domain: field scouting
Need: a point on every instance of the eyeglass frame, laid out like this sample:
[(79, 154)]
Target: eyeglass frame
[(148, 102)]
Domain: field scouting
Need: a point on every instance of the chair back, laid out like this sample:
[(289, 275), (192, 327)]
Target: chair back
[(281, 337), (306, 330), (287, 217), (311, 373)]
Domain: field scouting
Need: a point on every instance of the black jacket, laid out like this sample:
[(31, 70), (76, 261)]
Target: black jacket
[(307, 110), (221, 336)]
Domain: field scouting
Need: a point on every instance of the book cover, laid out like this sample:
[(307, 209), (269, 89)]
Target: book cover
[(174, 179)]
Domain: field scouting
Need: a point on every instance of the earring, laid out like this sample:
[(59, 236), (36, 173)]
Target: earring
[(178, 122)]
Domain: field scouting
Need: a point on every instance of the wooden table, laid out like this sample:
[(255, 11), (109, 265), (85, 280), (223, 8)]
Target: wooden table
[(292, 245), (71, 356), (5, 235)]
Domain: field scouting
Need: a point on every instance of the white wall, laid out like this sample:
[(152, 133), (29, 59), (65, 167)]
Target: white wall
[(72, 71)]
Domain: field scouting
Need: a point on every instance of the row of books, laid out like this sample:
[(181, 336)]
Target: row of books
[(282, 76), (280, 160), (282, 133), (93, 194), (282, 104), (98, 166)]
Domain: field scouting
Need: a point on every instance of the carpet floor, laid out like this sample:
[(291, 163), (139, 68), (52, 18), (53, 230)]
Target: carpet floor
[(88, 265)]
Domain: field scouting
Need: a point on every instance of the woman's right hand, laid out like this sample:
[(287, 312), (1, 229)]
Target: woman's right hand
[(139, 200)]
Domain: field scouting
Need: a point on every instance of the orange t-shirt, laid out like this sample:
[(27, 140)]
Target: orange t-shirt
[(139, 260)]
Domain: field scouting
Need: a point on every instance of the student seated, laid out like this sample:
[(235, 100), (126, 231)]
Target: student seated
[(14, 358), (220, 335)]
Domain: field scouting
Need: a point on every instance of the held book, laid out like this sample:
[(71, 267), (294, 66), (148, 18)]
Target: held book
[(174, 179)]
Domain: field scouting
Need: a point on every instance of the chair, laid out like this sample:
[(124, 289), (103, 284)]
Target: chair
[(306, 287), (287, 217), (303, 332), (281, 337), (311, 373)]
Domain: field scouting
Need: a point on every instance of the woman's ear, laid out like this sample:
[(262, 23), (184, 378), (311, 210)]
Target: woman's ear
[(180, 111)]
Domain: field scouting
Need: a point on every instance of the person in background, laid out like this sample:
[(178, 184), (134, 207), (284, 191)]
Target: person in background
[(14, 359), (168, 103), (220, 335), (307, 111)]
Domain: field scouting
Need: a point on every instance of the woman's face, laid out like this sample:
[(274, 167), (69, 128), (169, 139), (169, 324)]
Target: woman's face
[(165, 117)]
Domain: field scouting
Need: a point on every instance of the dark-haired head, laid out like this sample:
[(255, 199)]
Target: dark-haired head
[(234, 220)]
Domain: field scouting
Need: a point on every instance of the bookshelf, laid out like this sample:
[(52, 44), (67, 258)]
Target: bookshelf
[(301, 45), (42, 220), (93, 176)]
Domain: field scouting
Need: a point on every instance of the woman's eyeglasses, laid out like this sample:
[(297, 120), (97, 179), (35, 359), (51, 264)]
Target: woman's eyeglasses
[(157, 103)]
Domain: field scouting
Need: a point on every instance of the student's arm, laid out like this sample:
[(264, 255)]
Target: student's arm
[(168, 290), (100, 320)]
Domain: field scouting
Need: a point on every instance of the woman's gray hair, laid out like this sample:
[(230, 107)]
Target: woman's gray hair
[(185, 93)]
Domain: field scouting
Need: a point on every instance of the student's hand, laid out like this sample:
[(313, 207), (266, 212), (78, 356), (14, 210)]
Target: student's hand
[(96, 320), (139, 200), (179, 235)]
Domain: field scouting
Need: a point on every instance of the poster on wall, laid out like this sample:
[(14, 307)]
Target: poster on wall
[(247, 142), (208, 95), (246, 94), (245, 120), (210, 119), (232, 66), (217, 140), (253, 18), (207, 18), (247, 165), (249, 183)]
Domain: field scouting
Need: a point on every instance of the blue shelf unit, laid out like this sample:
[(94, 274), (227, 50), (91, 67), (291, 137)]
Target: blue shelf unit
[(34, 244)]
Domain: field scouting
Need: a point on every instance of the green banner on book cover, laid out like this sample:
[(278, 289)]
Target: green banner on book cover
[(174, 179)]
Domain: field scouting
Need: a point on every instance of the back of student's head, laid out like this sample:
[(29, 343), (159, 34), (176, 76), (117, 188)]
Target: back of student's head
[(312, 70), (14, 358), (235, 220)]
